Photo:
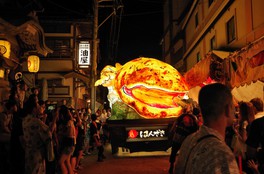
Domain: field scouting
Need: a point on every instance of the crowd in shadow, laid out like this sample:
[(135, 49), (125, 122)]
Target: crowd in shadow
[(40, 137)]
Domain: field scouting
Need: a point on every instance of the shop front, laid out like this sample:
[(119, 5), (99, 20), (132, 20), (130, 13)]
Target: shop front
[(19, 40)]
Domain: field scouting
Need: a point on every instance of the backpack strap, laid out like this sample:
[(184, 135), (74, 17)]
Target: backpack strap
[(196, 143)]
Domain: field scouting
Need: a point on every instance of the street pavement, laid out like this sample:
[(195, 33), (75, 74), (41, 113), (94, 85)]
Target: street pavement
[(126, 163)]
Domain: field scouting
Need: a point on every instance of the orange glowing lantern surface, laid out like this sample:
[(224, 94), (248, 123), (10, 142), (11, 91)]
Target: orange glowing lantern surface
[(33, 63), (2, 72), (154, 89)]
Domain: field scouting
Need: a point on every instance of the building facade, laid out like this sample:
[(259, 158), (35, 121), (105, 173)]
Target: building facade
[(55, 40), (25, 37), (60, 76), (194, 28)]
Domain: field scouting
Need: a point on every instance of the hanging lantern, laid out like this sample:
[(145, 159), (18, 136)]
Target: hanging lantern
[(2, 73), (33, 63), (5, 48)]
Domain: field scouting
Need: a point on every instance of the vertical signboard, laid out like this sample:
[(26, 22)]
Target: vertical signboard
[(84, 54)]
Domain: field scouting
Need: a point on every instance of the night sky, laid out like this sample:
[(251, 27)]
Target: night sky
[(140, 31)]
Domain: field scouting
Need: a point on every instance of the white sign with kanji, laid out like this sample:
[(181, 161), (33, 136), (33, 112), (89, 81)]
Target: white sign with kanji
[(84, 53)]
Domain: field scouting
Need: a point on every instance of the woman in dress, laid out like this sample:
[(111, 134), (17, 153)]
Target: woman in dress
[(67, 140), (36, 137)]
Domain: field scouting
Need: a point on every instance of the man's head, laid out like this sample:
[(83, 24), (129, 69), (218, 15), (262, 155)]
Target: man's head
[(258, 104), (215, 100), (93, 117)]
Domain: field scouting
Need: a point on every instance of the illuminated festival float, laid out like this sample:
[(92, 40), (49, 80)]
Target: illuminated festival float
[(145, 96)]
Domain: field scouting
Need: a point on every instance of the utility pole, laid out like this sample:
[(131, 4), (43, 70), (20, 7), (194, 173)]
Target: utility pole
[(95, 46), (94, 57)]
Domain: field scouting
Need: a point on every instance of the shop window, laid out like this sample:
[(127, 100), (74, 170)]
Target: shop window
[(231, 31), (55, 28), (55, 82), (60, 46)]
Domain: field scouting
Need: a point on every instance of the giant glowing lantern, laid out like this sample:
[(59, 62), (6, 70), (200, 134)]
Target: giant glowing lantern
[(33, 63), (154, 89)]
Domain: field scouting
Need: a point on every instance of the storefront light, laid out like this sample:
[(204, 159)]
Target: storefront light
[(33, 63)]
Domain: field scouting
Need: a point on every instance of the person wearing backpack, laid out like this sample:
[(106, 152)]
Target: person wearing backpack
[(185, 124), (205, 151)]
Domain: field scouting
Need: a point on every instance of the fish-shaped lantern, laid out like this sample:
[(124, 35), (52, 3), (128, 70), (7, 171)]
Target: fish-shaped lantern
[(154, 89)]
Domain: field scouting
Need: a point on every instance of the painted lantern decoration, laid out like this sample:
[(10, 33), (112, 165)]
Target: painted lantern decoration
[(5, 48), (33, 63), (154, 89)]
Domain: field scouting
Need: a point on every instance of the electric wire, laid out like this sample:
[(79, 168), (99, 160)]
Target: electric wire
[(65, 8)]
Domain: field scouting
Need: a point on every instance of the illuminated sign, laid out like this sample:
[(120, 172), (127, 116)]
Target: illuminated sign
[(84, 53), (146, 133)]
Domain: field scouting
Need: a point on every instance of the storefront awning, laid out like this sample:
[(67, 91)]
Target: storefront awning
[(243, 72), (212, 66), (247, 65)]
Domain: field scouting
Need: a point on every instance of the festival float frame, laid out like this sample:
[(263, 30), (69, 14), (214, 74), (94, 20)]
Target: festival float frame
[(146, 96), (242, 71), (246, 71)]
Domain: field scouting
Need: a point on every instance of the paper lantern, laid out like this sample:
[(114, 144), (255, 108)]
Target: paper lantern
[(2, 73), (5, 48), (33, 63)]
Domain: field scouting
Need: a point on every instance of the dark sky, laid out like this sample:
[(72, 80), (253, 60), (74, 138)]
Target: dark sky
[(140, 31)]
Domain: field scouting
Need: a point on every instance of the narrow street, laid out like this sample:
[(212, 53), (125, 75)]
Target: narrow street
[(126, 163)]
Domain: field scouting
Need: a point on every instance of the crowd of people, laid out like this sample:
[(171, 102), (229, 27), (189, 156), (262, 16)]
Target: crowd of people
[(39, 137), (219, 136), (216, 136)]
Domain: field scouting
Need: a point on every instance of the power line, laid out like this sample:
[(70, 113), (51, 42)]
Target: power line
[(65, 8), (143, 13)]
